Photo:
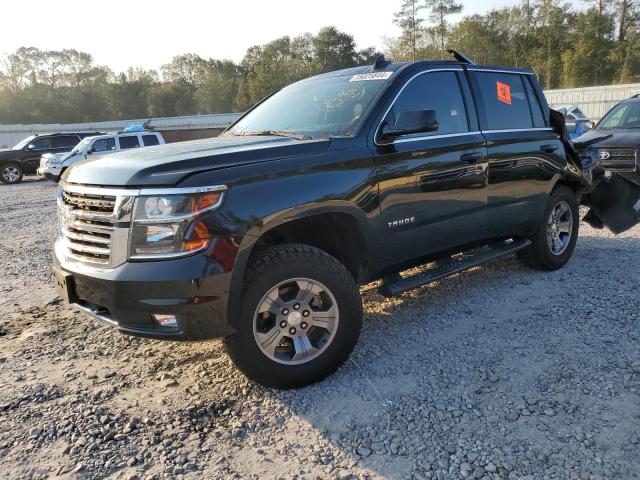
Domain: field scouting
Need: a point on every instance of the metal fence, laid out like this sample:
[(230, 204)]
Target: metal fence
[(12, 134), (593, 101)]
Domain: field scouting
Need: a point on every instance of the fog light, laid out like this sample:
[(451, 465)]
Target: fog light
[(165, 320)]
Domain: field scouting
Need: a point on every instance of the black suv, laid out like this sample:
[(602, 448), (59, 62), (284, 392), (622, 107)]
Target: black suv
[(262, 235), (24, 158)]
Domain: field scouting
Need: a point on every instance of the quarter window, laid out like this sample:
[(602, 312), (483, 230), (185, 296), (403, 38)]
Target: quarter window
[(439, 91), (129, 142), (150, 140), (534, 104), (505, 101)]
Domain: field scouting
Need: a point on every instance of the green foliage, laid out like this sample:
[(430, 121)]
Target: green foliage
[(566, 47)]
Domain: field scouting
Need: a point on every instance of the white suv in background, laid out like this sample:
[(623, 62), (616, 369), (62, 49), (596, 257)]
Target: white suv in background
[(52, 166)]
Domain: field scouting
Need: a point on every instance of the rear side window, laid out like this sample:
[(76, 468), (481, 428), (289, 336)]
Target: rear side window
[(534, 105), (65, 141), (104, 145), (439, 91), (150, 140), (505, 102), (129, 142)]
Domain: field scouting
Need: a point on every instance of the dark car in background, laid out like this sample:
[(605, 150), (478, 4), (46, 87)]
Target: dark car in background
[(24, 158), (620, 133)]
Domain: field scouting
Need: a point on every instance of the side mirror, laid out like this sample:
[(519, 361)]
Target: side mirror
[(91, 150), (408, 123), (31, 146)]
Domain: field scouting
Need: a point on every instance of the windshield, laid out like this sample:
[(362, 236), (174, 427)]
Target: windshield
[(624, 115), (23, 143), (314, 109)]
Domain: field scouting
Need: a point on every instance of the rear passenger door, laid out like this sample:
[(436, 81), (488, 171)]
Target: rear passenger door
[(432, 185), (524, 153)]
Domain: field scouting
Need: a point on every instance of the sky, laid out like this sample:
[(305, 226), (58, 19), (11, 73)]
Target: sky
[(120, 34)]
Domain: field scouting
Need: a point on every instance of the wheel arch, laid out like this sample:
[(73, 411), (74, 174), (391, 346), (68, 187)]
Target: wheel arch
[(339, 231)]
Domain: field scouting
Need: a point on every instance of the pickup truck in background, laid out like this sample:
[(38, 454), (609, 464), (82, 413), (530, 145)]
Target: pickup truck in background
[(263, 235)]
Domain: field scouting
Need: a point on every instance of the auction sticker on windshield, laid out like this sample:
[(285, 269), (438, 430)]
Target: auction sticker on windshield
[(370, 76)]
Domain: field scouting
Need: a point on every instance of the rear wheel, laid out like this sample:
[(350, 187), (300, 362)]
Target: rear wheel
[(301, 317), (10, 173), (555, 240)]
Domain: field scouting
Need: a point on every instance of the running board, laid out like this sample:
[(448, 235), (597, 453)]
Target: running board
[(451, 266)]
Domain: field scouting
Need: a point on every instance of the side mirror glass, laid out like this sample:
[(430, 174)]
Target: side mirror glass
[(411, 122), (31, 146)]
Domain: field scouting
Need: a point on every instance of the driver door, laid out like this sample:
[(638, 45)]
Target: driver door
[(433, 186)]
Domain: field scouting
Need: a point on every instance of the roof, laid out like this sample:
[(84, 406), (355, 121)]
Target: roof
[(393, 67)]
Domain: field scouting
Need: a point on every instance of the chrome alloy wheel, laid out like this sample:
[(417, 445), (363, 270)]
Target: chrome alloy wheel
[(296, 321), (560, 228), (10, 174)]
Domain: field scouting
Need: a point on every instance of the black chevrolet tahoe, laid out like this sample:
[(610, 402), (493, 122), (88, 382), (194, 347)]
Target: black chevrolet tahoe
[(24, 157), (263, 235)]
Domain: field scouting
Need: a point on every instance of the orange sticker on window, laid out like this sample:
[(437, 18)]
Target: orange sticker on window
[(504, 93)]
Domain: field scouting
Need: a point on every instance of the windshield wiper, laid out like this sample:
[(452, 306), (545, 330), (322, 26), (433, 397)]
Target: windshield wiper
[(274, 133)]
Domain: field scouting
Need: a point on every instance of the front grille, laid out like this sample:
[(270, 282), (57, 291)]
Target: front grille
[(87, 226), (618, 159)]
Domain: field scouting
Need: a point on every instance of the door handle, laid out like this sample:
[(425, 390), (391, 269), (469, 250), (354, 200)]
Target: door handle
[(472, 157), (550, 148)]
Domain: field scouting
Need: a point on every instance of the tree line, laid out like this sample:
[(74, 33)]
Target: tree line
[(565, 46)]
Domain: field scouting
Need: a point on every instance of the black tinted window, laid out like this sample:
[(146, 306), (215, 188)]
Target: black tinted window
[(534, 104), (439, 91), (104, 145), (150, 140), (65, 141), (505, 102), (129, 142), (42, 143)]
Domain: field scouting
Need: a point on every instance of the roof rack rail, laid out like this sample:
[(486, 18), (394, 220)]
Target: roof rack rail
[(461, 57), (380, 62)]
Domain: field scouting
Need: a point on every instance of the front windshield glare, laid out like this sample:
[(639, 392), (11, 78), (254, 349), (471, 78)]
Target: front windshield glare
[(625, 115), (315, 109)]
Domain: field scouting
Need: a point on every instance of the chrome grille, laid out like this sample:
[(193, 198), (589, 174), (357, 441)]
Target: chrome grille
[(86, 226), (618, 159), (94, 224)]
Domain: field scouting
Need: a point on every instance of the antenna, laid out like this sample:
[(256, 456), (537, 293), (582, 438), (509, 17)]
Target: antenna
[(380, 62), (461, 57)]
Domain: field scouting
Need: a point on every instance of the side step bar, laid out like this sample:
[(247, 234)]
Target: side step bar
[(452, 266)]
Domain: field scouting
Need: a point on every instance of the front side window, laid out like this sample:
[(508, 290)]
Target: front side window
[(129, 142), (321, 108), (624, 115), (44, 143), (439, 91), (104, 145), (505, 102)]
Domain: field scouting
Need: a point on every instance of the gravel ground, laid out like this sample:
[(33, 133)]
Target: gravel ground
[(497, 373)]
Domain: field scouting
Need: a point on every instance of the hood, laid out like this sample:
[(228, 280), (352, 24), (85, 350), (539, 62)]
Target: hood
[(166, 165), (10, 154), (619, 138)]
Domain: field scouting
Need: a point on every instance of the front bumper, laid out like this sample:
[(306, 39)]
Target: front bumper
[(49, 173), (193, 289)]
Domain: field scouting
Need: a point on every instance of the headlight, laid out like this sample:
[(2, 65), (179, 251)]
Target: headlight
[(166, 226)]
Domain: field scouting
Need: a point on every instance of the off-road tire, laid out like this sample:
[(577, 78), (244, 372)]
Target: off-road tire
[(14, 166), (278, 264), (539, 255)]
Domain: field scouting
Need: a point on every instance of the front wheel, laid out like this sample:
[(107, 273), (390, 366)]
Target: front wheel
[(300, 320), (10, 173), (555, 240)]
